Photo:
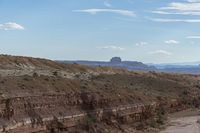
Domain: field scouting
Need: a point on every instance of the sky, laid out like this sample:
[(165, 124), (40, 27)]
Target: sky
[(150, 31)]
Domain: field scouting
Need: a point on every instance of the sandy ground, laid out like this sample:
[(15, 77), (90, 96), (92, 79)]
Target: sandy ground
[(185, 124)]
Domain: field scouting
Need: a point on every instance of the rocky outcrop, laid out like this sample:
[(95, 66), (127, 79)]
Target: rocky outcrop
[(56, 112), (116, 60)]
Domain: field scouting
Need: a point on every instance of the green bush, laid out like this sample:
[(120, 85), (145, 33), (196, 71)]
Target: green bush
[(90, 120)]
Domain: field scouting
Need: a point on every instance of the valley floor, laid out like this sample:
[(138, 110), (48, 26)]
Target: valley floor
[(188, 123)]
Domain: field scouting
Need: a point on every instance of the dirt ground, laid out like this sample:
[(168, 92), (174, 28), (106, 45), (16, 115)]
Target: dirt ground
[(184, 122)]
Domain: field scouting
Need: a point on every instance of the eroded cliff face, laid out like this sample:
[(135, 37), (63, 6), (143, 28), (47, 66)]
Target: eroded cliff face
[(50, 104), (34, 114), (63, 99)]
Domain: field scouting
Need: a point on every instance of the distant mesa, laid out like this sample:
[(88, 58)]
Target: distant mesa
[(116, 60)]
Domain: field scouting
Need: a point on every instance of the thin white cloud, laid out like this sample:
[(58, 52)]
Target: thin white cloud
[(116, 11), (107, 4), (189, 7), (193, 1), (182, 6), (112, 47), (161, 12), (175, 20), (177, 13), (11, 26), (172, 42), (161, 52), (141, 43), (193, 37)]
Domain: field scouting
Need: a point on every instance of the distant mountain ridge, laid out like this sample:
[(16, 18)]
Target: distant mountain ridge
[(115, 62), (190, 67), (177, 65), (187, 67)]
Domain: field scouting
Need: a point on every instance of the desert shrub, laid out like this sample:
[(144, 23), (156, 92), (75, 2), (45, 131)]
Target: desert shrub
[(46, 79), (89, 122), (55, 126), (185, 100), (196, 102), (153, 123), (161, 110), (35, 74), (161, 115), (191, 102), (160, 119), (198, 121), (26, 78), (141, 126), (2, 82), (77, 75), (55, 73), (147, 112), (159, 98), (185, 92)]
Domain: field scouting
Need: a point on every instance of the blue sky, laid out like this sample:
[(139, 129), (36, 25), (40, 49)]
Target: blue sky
[(156, 31)]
